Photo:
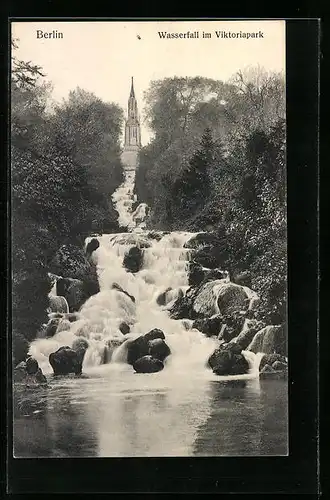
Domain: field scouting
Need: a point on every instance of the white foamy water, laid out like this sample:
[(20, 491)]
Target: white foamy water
[(164, 268)]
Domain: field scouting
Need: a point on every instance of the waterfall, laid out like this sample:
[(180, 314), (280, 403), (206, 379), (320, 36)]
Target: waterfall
[(164, 271)]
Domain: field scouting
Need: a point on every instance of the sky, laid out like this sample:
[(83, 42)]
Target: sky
[(101, 57)]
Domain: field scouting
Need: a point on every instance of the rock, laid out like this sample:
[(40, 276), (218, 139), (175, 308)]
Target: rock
[(31, 366), (159, 349), (51, 327), (162, 299), (139, 347), (196, 273), (270, 359), (231, 298), (63, 326), (155, 333), (136, 349), (124, 328), (65, 360), (148, 364), (228, 360), (232, 326), (183, 307), (207, 257), (29, 373), (271, 339), (57, 304), (115, 286), (209, 326), (133, 260), (279, 366), (249, 330), (91, 246), (74, 292)]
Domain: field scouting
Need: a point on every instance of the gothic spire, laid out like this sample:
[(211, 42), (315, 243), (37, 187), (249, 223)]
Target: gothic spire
[(132, 90)]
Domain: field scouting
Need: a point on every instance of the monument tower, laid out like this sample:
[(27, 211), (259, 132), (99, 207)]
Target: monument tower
[(132, 142)]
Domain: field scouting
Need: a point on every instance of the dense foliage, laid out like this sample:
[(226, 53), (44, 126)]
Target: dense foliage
[(65, 164), (217, 163)]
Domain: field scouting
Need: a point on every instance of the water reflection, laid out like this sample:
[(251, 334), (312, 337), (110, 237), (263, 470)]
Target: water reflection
[(125, 415), (248, 418)]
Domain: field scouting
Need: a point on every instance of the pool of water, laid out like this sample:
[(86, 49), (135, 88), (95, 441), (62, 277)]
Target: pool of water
[(116, 413)]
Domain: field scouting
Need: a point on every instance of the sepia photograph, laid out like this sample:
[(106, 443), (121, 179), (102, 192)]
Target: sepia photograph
[(149, 239)]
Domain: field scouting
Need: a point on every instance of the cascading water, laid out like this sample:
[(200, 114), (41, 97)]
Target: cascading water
[(164, 268)]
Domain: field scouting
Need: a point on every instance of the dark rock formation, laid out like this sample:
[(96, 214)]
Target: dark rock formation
[(29, 373), (161, 299), (155, 333), (209, 326), (148, 364), (140, 347), (271, 359), (233, 326), (228, 360), (133, 260), (66, 360), (91, 246), (124, 328), (115, 286), (159, 349), (51, 327), (183, 306)]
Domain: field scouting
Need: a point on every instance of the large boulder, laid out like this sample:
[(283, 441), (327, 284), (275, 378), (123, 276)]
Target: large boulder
[(57, 304), (65, 361), (140, 346), (209, 326), (80, 345), (159, 349), (231, 298), (133, 259), (228, 360), (162, 297), (115, 286), (148, 364), (271, 339)]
